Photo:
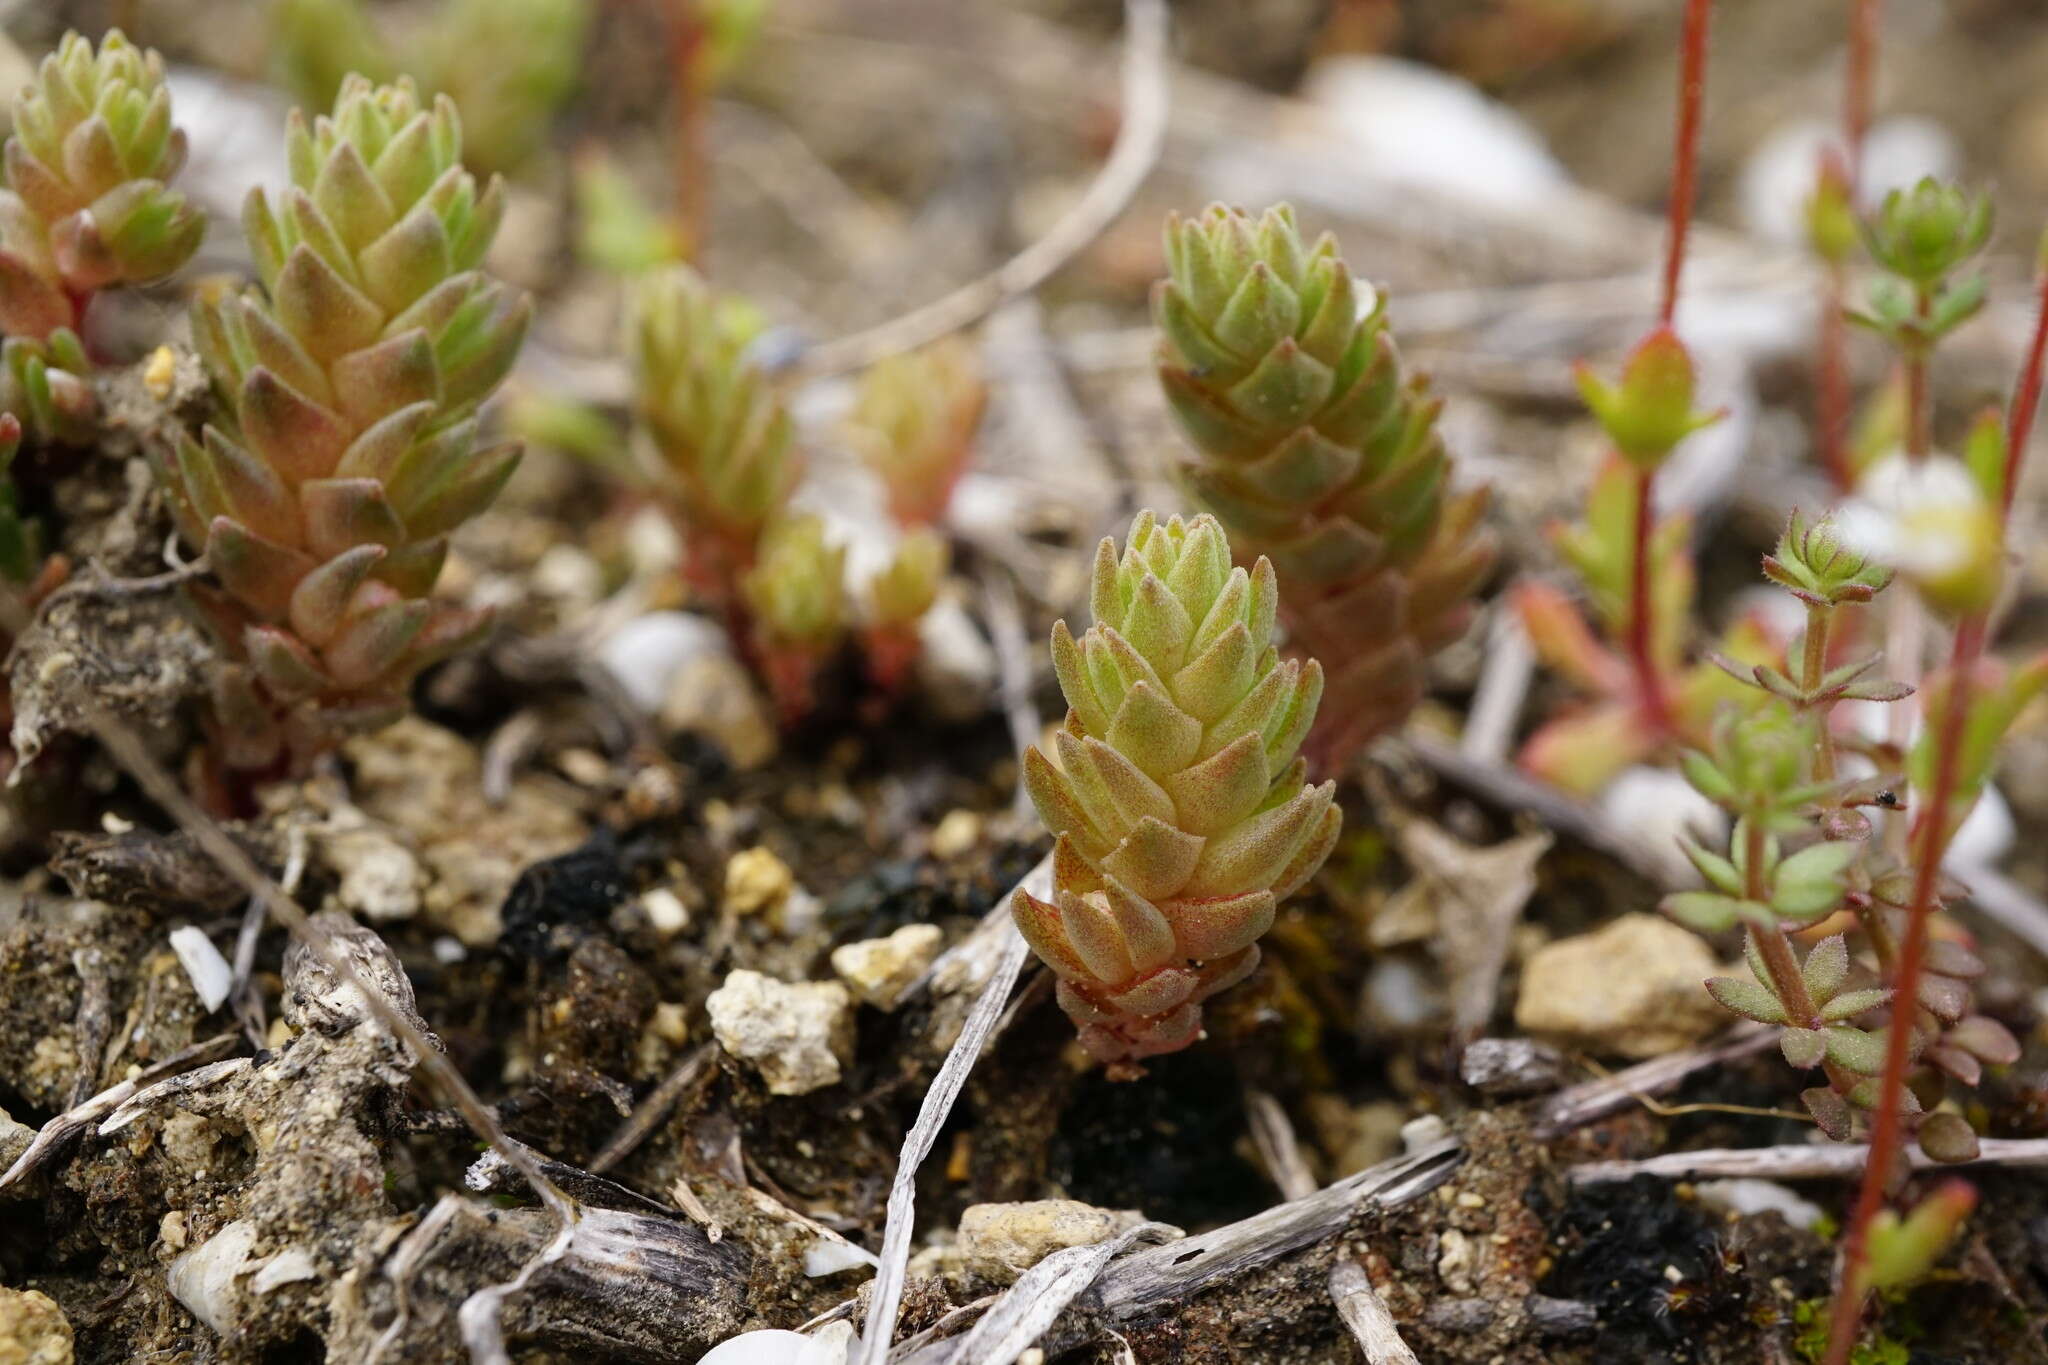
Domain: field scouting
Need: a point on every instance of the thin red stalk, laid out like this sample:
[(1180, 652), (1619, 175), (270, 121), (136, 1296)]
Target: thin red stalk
[(1788, 981), (1813, 667), (1642, 635), (1692, 83), (1684, 181), (1856, 90), (2026, 399), (692, 160), (1889, 1129)]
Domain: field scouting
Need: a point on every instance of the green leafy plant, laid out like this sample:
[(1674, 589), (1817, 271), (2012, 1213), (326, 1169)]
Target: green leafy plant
[(345, 450), (87, 207), (1180, 808), (898, 598), (1317, 450), (507, 64), (797, 599), (914, 421), (719, 427), (88, 204), (1622, 722)]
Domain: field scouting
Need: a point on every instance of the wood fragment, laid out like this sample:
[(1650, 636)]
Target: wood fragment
[(931, 1116), (80, 1117), (1359, 1304), (1800, 1161), (1589, 1100), (1273, 1136)]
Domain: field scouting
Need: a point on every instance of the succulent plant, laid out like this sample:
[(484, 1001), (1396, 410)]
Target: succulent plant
[(19, 541), (346, 447), (796, 593), (914, 422), (1318, 452), (87, 203), (43, 383), (507, 64), (1180, 808), (899, 596), (720, 428)]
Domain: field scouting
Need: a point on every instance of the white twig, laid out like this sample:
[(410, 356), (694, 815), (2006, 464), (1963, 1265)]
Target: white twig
[(931, 1116), (1358, 1303), (84, 1115), (1503, 685), (1589, 1100), (1021, 1316), (1273, 1136), (1801, 1161), (1136, 151)]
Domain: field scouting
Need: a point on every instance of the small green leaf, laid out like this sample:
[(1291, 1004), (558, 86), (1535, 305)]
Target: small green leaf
[(1803, 1047), (1855, 1050), (1849, 1004), (1826, 967), (1703, 911), (1746, 998)]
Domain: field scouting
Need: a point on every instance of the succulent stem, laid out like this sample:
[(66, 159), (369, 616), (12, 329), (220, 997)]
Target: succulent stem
[(1813, 666), (1888, 1128), (2026, 399), (1919, 420), (1641, 622), (1692, 84)]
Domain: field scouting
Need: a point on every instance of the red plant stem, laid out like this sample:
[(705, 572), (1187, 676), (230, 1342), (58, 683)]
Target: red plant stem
[(1856, 89), (1781, 964), (1814, 667), (1642, 649), (1684, 181), (2026, 400), (1889, 1128), (692, 160), (1692, 83)]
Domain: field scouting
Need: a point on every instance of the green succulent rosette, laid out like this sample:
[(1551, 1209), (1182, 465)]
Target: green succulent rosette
[(1318, 451), (346, 449), (1174, 789)]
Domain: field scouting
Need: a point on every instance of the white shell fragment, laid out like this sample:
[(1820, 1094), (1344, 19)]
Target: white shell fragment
[(208, 971)]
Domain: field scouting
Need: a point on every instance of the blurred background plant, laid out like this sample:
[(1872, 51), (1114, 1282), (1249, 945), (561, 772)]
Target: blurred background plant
[(509, 65)]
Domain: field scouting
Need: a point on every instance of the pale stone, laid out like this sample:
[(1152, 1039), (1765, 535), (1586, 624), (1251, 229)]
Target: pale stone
[(1001, 1241), (1632, 989), (379, 877), (756, 880), (712, 695), (33, 1329), (956, 834), (879, 970), (797, 1036)]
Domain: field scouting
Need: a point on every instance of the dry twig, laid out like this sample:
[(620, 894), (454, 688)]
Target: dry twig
[(931, 1116), (1799, 1161), (1359, 1304)]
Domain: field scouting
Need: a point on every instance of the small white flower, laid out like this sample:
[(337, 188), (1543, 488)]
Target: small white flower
[(1929, 520)]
